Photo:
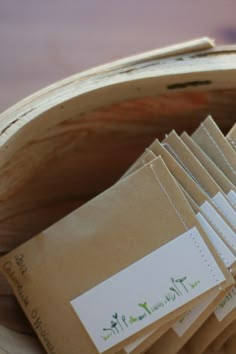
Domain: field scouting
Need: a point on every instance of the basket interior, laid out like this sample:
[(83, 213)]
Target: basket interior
[(71, 162)]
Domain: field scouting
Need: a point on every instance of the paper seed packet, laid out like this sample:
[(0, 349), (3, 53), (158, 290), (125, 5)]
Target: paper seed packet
[(220, 178), (209, 137), (231, 137), (197, 171), (225, 313), (183, 329), (164, 343)]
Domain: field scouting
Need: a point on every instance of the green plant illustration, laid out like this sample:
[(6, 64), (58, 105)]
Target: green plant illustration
[(181, 281), (109, 329), (124, 320), (115, 316), (178, 288), (145, 307), (114, 325)]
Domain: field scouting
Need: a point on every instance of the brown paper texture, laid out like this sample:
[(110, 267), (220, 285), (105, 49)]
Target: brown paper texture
[(188, 161), (224, 183), (209, 331), (146, 157), (211, 335), (209, 137), (231, 137), (170, 336), (170, 342), (184, 179), (222, 338), (86, 247), (180, 174), (144, 345), (196, 170), (196, 210)]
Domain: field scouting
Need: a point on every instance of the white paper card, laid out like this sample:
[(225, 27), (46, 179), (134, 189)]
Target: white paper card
[(148, 290), (223, 251), (225, 207), (220, 225), (227, 305), (188, 319), (232, 197), (132, 346)]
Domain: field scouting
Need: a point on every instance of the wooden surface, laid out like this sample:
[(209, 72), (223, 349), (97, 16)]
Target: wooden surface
[(15, 343), (44, 41)]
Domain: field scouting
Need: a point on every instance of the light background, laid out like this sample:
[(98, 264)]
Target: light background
[(42, 41)]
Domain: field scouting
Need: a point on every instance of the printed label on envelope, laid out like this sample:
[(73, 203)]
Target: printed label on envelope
[(224, 252), (187, 320), (227, 305), (147, 290), (220, 225), (232, 197), (225, 207)]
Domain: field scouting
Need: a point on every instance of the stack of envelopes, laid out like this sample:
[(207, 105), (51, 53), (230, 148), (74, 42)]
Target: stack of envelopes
[(146, 266)]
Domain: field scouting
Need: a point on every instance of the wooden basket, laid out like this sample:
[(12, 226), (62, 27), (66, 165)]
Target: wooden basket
[(70, 141)]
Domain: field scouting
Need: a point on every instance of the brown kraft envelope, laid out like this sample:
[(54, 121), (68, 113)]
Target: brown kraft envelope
[(145, 342), (210, 336), (218, 343), (209, 137), (170, 342), (197, 194), (231, 137), (224, 183), (209, 331), (196, 170), (145, 158), (116, 229), (213, 327)]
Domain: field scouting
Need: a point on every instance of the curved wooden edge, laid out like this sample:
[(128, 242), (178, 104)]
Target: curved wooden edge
[(178, 49), (166, 52), (188, 47), (72, 99)]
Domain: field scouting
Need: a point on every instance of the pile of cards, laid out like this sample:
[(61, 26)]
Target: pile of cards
[(146, 266)]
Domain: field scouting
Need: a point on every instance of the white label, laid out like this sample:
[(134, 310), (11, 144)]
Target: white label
[(188, 319), (232, 197), (148, 290), (225, 207), (227, 305), (224, 252), (132, 346), (220, 225)]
